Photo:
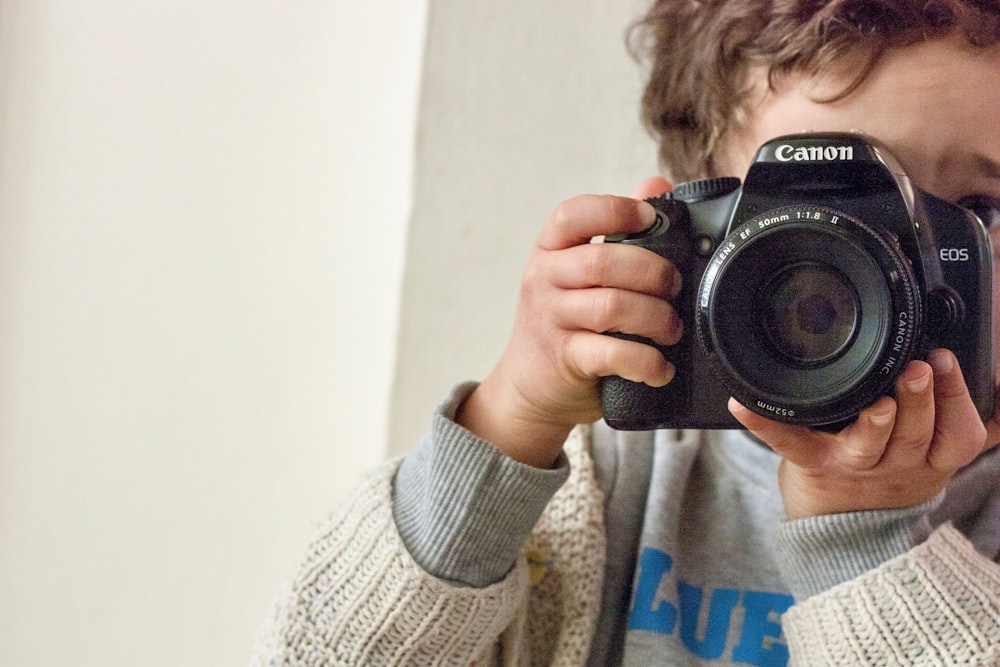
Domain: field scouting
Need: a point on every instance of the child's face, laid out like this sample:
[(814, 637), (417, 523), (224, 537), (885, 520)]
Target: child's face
[(934, 105)]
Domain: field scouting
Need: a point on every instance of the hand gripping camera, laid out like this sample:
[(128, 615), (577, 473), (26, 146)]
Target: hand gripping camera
[(809, 289)]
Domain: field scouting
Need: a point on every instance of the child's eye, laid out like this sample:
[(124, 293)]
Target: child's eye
[(986, 209)]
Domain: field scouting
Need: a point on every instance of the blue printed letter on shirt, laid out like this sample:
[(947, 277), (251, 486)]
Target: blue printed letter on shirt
[(648, 613), (716, 629), (759, 643)]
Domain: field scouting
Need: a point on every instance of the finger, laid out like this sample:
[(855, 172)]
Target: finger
[(960, 434), (915, 411), (610, 265), (796, 444), (993, 424), (620, 311), (863, 443), (580, 219), (592, 355), (652, 187), (858, 447)]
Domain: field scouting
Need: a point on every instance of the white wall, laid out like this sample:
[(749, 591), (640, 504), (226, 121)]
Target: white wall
[(524, 104), (203, 222), (203, 211)]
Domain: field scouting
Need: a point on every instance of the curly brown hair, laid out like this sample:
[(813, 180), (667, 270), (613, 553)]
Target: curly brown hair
[(701, 54)]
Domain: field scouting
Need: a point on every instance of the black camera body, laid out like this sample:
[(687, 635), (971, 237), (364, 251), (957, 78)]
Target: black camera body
[(808, 288)]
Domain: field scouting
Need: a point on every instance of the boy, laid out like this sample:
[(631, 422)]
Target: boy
[(510, 533)]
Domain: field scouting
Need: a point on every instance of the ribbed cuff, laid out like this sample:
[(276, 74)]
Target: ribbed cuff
[(817, 553), (463, 507), (938, 604), (359, 599)]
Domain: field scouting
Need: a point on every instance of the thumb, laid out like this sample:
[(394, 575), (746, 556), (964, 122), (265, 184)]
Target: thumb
[(651, 187), (993, 424)]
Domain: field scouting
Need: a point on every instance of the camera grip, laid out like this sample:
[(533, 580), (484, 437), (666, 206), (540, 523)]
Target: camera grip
[(628, 405)]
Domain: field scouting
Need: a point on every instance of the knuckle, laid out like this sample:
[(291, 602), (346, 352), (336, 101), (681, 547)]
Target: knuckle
[(561, 216), (561, 223), (598, 264), (617, 208), (593, 360), (911, 442), (642, 363), (958, 452), (980, 434), (860, 457), (532, 278), (607, 306)]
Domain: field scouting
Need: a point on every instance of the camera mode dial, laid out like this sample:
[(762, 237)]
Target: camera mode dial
[(708, 188)]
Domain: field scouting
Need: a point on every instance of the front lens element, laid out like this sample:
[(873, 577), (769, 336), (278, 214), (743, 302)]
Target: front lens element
[(808, 313)]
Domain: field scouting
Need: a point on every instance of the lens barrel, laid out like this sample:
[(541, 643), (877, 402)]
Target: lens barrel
[(807, 315)]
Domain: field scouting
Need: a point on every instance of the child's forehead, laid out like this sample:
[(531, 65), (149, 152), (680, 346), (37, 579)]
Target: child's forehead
[(934, 104)]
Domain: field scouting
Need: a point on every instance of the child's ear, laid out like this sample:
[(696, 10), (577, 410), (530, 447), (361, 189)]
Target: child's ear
[(652, 187)]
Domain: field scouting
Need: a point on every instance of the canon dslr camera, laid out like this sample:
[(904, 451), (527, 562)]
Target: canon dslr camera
[(809, 289)]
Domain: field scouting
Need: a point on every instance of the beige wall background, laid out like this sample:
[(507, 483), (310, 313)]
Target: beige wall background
[(245, 248), (203, 209)]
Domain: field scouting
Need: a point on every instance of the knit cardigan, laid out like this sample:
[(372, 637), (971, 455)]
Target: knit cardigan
[(360, 599)]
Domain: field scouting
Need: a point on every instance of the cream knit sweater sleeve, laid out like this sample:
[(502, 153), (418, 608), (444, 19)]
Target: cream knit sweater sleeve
[(359, 598), (937, 604)]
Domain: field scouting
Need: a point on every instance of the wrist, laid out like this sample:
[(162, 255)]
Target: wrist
[(517, 431), (806, 493)]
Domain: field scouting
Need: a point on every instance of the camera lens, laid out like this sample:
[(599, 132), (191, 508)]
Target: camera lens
[(808, 314)]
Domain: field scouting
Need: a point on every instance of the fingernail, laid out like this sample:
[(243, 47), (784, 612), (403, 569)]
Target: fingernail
[(941, 361), (920, 384), (647, 214), (676, 285), (880, 419)]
